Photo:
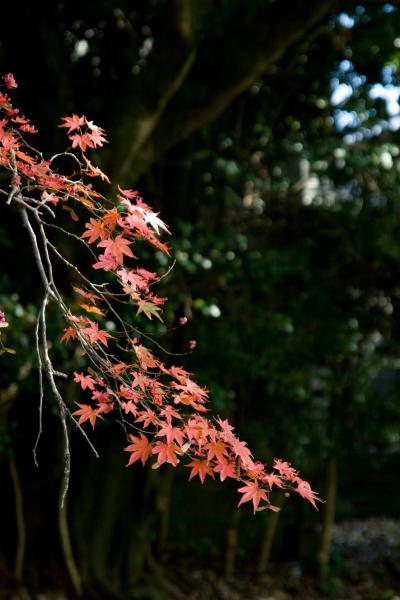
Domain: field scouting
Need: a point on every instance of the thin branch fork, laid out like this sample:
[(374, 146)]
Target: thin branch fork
[(45, 364)]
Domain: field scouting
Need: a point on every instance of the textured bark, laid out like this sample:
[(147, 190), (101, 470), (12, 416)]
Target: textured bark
[(205, 54), (235, 49)]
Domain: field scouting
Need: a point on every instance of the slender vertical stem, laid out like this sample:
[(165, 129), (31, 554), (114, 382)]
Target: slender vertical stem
[(271, 523), (231, 543), (40, 365), (66, 545), (20, 520)]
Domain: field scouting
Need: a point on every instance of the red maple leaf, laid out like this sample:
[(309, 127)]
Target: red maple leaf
[(304, 489), (118, 368), (251, 492), (89, 295), (95, 334), (169, 412), (285, 470), (130, 407), (216, 448), (171, 433), (69, 334), (117, 247), (73, 122), (166, 453), (82, 141), (85, 380), (96, 135), (201, 468), (192, 388), (107, 263), (140, 448), (140, 380), (145, 357), (241, 450), (87, 413), (225, 468), (95, 230), (129, 193), (147, 417), (272, 479), (198, 429), (110, 219)]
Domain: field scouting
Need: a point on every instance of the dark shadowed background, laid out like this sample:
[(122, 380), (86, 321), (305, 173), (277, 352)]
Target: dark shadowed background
[(266, 132)]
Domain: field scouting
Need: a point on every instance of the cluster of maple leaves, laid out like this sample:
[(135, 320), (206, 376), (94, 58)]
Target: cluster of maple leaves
[(161, 407)]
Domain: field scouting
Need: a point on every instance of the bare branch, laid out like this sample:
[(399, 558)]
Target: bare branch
[(40, 365)]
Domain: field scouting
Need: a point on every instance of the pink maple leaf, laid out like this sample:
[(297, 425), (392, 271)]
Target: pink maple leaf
[(201, 468), (225, 469), (140, 449), (73, 122), (95, 334), (304, 489), (251, 492), (117, 247), (166, 453), (85, 380)]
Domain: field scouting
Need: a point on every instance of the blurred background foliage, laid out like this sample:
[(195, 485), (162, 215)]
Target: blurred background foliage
[(266, 134)]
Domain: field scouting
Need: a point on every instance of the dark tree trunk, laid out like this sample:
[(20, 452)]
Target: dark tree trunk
[(328, 517)]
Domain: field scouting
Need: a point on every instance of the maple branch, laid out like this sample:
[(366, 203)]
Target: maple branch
[(14, 185), (143, 387), (50, 291), (61, 405), (124, 324), (40, 365), (36, 251)]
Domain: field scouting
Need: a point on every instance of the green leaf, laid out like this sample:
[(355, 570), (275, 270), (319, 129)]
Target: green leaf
[(150, 310)]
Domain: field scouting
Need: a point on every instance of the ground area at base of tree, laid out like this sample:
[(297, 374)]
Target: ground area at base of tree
[(365, 566)]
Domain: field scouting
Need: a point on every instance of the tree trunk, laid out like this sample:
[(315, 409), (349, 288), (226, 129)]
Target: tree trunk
[(163, 506), (328, 517), (19, 519), (66, 546), (231, 543), (271, 522)]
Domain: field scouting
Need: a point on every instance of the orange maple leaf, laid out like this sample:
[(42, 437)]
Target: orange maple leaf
[(69, 334), (201, 468), (95, 230), (92, 309), (87, 413)]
